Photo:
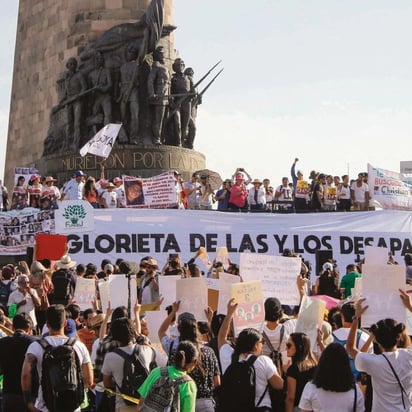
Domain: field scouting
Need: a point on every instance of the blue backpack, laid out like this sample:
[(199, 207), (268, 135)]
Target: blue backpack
[(351, 361)]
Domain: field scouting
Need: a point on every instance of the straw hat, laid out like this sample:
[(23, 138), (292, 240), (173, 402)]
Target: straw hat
[(50, 179), (65, 262)]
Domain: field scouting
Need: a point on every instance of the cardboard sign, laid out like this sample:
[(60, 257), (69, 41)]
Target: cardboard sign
[(192, 294)]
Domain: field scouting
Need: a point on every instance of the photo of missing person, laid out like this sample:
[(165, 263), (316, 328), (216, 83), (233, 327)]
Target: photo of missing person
[(134, 192)]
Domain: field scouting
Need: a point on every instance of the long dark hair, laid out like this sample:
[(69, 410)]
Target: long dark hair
[(333, 372), (303, 357), (246, 340)]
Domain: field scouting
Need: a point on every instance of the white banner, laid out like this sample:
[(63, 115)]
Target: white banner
[(101, 144), (388, 189), (277, 273)]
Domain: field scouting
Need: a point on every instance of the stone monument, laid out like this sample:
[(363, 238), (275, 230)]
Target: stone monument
[(81, 64)]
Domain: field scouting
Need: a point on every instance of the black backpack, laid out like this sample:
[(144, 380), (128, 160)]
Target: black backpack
[(62, 287), (61, 378), (237, 390), (134, 372), (4, 294)]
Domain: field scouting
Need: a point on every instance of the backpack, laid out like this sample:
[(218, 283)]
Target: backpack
[(351, 361), (164, 394), (134, 373), (61, 380), (277, 396), (237, 390), (4, 294), (62, 288)]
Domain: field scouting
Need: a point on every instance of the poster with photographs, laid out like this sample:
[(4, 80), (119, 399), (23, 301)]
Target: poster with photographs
[(250, 312), (18, 229)]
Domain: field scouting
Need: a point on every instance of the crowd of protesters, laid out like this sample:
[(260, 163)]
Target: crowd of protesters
[(319, 192), (346, 369)]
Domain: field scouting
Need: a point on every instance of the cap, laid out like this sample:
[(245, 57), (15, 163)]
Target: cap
[(176, 172), (109, 268), (327, 266), (34, 177), (186, 316), (79, 173), (321, 176)]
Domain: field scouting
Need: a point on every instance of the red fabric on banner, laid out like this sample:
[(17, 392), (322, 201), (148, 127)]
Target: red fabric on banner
[(51, 247)]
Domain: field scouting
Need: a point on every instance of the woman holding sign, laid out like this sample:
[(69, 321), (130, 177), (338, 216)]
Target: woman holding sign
[(391, 371)]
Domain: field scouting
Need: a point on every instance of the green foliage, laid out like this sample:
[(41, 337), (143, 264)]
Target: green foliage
[(74, 211)]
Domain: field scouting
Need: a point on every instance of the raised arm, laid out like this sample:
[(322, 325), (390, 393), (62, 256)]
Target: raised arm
[(351, 342), (167, 322), (225, 326)]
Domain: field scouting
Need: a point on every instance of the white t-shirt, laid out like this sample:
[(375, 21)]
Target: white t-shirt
[(318, 400), (386, 390), (110, 199), (264, 369), (359, 192), (74, 190), (36, 350), (113, 366), (343, 333), (274, 337), (28, 307)]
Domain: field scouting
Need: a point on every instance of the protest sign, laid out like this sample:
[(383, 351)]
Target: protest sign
[(167, 289), (277, 273), (192, 294), (376, 255), (154, 319), (85, 292), (250, 311), (380, 288), (101, 144), (310, 318), (225, 291)]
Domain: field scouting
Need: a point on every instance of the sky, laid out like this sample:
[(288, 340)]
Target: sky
[(326, 81)]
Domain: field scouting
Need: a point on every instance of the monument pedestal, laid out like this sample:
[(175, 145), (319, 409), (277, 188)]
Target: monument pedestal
[(132, 160)]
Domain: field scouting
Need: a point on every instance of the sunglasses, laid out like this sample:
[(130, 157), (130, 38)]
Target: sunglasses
[(289, 345)]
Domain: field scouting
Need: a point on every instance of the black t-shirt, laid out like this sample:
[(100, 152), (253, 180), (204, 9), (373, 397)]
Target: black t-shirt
[(302, 378), (12, 353)]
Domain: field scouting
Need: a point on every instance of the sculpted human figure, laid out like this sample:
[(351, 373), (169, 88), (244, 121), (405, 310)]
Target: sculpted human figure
[(195, 101), (180, 105), (74, 86), (158, 86), (100, 80), (129, 96)]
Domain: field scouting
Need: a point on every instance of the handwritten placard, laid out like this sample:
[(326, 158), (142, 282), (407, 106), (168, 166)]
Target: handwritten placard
[(225, 290), (192, 294), (380, 287), (85, 292), (310, 318), (277, 273), (167, 289), (250, 312)]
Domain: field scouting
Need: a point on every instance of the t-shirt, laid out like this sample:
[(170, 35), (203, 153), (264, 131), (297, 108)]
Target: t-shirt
[(264, 370), (36, 350), (318, 400), (12, 352), (110, 199), (301, 379), (87, 336), (386, 390), (28, 307), (348, 282), (187, 390), (113, 366), (274, 337)]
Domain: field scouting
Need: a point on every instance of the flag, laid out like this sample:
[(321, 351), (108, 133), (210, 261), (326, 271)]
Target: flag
[(101, 144)]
